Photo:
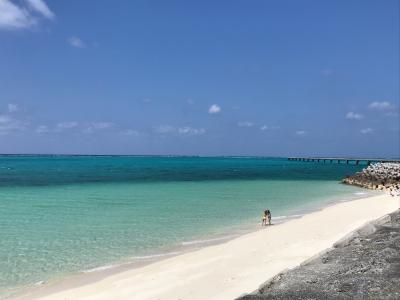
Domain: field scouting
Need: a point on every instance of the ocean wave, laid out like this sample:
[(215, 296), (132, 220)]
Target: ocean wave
[(102, 268), (280, 217), (157, 255), (286, 217), (194, 242)]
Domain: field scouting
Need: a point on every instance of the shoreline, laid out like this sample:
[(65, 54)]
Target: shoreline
[(95, 274), (238, 228), (195, 243), (87, 284)]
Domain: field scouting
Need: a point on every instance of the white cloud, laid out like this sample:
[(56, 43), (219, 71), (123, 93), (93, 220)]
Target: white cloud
[(380, 105), (42, 129), (184, 131), (354, 116), (9, 124), (59, 127), (190, 101), (76, 42), (191, 131), (23, 16), (164, 129), (14, 17), (41, 7), (102, 125), (66, 125), (12, 107), (265, 127), (95, 126), (301, 132), (366, 130), (245, 124), (214, 109)]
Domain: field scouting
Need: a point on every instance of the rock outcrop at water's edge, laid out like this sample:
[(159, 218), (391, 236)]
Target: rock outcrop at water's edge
[(379, 176)]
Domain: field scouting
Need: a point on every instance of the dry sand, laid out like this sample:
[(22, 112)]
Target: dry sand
[(231, 269)]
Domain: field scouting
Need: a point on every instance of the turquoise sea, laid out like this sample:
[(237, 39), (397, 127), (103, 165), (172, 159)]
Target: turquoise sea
[(60, 215)]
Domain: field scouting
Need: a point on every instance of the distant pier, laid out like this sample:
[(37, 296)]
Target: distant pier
[(343, 160)]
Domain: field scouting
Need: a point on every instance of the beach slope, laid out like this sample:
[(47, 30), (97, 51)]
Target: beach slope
[(234, 268), (365, 266)]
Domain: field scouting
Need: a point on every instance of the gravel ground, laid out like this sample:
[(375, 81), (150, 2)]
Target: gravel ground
[(364, 265)]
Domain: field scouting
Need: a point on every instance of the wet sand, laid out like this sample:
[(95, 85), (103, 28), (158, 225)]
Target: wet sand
[(231, 269)]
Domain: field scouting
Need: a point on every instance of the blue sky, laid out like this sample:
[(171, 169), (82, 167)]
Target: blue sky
[(270, 78)]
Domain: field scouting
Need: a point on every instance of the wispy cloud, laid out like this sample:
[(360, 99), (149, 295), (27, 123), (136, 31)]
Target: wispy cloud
[(12, 107), (183, 131), (245, 124), (164, 129), (25, 15), (366, 130), (58, 128), (76, 42), (301, 132), (66, 125), (214, 109), (41, 129), (96, 126), (191, 131), (9, 124), (354, 116), (380, 105), (266, 127), (41, 7)]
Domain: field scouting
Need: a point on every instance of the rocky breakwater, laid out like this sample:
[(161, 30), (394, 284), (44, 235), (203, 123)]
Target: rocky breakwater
[(364, 265), (379, 176)]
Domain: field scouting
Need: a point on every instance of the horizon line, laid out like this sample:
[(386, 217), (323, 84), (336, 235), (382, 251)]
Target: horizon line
[(197, 155)]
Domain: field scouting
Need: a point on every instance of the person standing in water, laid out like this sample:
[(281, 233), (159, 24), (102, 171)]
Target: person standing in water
[(268, 215), (264, 218)]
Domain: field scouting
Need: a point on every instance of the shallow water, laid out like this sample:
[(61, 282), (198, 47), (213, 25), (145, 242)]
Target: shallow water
[(64, 214)]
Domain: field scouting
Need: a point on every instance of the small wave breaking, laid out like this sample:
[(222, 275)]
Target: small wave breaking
[(157, 255), (194, 242), (102, 268)]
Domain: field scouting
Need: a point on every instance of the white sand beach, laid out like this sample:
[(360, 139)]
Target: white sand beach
[(231, 269)]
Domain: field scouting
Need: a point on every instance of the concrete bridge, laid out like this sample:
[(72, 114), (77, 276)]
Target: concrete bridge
[(344, 160)]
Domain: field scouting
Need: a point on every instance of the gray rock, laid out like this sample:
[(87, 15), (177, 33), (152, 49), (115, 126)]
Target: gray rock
[(381, 176), (366, 265)]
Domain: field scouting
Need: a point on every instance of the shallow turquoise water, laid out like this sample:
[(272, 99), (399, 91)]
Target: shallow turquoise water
[(62, 215)]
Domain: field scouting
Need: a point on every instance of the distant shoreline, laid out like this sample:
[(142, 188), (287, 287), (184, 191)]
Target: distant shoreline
[(174, 155)]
